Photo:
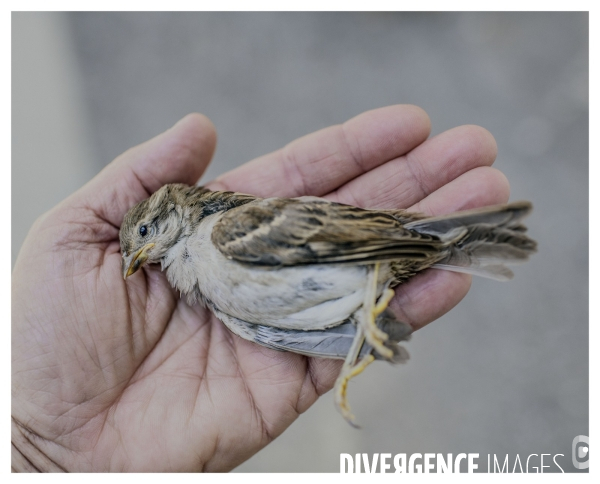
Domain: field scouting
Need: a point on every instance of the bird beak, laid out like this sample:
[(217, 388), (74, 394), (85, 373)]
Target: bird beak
[(132, 263)]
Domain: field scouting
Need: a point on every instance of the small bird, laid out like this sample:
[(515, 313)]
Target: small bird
[(308, 275)]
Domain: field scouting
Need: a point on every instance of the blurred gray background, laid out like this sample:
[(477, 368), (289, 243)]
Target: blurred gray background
[(506, 371)]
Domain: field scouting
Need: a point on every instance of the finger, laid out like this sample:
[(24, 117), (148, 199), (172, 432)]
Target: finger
[(321, 374), (180, 154), (320, 162), (476, 188), (406, 180), (432, 293), (428, 296)]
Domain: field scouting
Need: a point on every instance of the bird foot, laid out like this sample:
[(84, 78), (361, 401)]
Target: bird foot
[(374, 336), (341, 387), (366, 330), (383, 302)]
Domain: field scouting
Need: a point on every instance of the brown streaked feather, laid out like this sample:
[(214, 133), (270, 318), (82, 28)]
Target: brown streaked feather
[(287, 232)]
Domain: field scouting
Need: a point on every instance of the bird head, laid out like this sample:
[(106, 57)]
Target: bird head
[(151, 228)]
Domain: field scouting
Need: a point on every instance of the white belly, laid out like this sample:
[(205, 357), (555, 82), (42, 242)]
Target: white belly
[(302, 297)]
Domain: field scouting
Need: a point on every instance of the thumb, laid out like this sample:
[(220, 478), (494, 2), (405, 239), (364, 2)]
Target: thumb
[(179, 155)]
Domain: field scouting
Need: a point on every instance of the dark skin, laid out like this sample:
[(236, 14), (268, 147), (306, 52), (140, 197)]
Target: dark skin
[(114, 375)]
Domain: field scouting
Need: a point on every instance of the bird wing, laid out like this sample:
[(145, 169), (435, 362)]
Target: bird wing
[(332, 342), (288, 232)]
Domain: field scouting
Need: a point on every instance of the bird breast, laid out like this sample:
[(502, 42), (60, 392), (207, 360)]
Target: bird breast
[(300, 297)]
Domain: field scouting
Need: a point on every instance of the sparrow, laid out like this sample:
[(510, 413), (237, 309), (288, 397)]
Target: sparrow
[(308, 275)]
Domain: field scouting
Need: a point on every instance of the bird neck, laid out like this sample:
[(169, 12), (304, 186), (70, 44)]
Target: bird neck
[(200, 203), (214, 202)]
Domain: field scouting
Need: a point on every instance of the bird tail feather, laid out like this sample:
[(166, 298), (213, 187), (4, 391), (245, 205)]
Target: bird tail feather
[(481, 241)]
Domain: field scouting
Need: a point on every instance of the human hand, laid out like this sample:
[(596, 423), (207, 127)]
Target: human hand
[(110, 375)]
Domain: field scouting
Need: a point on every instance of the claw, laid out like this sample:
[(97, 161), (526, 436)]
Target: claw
[(366, 330), (341, 387), (374, 336)]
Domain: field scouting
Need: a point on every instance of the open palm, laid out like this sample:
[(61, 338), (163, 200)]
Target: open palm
[(114, 375)]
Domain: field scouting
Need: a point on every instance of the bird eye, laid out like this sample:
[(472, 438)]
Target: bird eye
[(143, 230)]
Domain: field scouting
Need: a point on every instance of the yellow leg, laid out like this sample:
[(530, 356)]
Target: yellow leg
[(374, 336), (383, 302), (366, 329), (341, 387)]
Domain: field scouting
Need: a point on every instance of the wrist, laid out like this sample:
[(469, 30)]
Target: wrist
[(26, 456)]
